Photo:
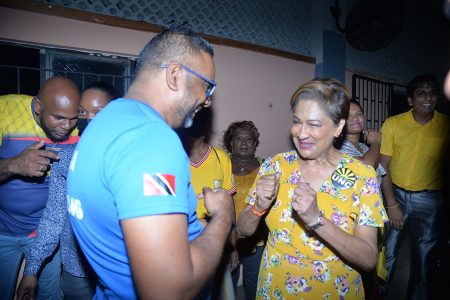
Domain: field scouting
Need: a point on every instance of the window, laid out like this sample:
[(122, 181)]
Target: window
[(24, 68), (374, 96), (19, 70)]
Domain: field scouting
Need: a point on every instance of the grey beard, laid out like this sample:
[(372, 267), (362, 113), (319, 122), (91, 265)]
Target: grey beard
[(189, 118), (188, 121)]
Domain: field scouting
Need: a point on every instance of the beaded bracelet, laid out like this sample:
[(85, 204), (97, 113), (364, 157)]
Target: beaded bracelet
[(393, 206), (257, 213)]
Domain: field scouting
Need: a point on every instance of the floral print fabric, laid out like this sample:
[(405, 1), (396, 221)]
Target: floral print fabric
[(298, 265)]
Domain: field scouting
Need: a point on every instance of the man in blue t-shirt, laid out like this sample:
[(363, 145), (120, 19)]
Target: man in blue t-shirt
[(32, 131), (130, 199)]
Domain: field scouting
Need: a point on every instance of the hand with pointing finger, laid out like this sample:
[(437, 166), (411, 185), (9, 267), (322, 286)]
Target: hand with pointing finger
[(304, 202), (33, 161)]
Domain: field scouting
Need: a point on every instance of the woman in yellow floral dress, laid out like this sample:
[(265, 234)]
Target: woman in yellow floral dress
[(323, 207)]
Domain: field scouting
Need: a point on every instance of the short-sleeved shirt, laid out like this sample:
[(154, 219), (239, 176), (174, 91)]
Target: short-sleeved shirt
[(297, 264), (213, 171), (417, 150), (23, 199), (129, 163), (349, 149)]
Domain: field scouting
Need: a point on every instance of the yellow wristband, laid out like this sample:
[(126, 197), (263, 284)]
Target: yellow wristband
[(257, 213)]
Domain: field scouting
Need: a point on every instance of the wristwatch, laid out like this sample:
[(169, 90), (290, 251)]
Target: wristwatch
[(315, 225)]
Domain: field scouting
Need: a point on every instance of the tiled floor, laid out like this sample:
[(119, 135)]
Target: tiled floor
[(401, 275), (400, 280)]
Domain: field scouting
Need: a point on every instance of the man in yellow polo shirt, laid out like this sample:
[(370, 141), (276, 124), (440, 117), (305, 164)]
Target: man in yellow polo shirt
[(412, 152)]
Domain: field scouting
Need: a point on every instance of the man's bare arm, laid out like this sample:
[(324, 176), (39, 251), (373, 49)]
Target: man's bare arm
[(372, 156), (394, 213), (164, 264)]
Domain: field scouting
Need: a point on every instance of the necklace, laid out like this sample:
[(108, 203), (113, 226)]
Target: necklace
[(243, 164)]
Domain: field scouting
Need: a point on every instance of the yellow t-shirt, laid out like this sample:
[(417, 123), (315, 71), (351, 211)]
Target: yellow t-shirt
[(417, 151), (297, 264), (213, 171)]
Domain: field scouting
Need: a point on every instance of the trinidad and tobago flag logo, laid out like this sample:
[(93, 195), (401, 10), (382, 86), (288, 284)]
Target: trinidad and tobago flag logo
[(158, 184)]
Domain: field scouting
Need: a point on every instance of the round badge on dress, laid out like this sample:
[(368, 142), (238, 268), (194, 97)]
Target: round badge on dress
[(343, 178)]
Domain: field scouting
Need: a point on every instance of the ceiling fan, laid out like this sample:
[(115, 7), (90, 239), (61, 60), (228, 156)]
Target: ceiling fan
[(371, 24)]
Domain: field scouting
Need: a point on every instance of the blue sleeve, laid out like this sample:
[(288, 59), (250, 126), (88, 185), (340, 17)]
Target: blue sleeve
[(158, 184), (54, 216)]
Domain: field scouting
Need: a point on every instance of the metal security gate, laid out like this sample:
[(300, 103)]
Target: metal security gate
[(375, 98), (81, 79), (23, 68)]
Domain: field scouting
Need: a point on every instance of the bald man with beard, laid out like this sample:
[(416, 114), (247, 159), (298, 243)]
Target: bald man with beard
[(32, 130)]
